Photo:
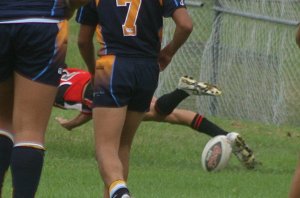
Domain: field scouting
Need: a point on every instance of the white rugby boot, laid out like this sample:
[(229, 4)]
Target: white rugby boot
[(241, 150), (193, 87)]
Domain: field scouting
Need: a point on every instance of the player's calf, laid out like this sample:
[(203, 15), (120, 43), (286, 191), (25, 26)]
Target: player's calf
[(26, 166)]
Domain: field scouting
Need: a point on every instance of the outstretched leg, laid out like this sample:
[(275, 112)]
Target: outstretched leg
[(164, 109)]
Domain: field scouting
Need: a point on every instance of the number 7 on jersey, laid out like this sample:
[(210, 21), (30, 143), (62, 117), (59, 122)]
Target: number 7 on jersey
[(129, 26)]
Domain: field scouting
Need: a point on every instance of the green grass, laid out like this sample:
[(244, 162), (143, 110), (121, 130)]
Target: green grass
[(166, 162)]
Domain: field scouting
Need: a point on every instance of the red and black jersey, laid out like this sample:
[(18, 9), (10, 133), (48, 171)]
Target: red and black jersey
[(128, 28), (75, 91)]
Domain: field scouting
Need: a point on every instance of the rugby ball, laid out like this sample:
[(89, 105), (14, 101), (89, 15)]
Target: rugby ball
[(216, 154)]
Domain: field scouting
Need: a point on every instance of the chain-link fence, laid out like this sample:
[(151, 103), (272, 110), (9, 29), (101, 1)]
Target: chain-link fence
[(247, 48)]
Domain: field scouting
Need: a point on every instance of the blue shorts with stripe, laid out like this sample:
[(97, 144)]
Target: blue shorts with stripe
[(121, 81), (34, 50)]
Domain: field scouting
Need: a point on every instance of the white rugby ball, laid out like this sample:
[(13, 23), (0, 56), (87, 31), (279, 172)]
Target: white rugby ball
[(216, 154)]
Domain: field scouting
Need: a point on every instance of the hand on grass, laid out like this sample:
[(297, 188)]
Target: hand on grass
[(64, 123)]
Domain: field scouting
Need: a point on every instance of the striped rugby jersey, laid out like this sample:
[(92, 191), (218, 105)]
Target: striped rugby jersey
[(131, 28)]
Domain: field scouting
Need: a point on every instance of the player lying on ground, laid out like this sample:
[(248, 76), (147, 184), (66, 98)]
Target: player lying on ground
[(75, 92)]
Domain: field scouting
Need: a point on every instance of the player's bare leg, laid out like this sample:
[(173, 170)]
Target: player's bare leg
[(294, 188), (177, 116), (114, 132), (31, 114), (164, 109), (132, 122), (32, 108), (108, 124)]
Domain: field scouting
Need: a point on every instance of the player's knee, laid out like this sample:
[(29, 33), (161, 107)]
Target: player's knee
[(161, 108)]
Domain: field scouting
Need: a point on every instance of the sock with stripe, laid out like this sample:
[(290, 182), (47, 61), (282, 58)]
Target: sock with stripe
[(6, 145), (168, 102), (203, 125), (118, 189), (26, 166)]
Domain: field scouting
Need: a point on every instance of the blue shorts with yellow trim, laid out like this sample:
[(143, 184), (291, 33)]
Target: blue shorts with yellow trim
[(121, 81), (34, 50)]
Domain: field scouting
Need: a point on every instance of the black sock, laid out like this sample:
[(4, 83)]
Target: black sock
[(168, 102), (203, 125), (6, 145), (26, 167)]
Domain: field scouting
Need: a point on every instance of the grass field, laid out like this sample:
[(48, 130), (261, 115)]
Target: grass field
[(166, 163), (166, 160)]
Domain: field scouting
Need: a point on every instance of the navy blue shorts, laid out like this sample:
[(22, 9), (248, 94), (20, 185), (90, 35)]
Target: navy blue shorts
[(121, 81), (34, 50)]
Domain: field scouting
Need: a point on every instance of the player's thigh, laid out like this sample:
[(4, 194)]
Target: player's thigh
[(108, 125), (132, 122), (121, 82), (39, 55), (151, 114), (32, 108)]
